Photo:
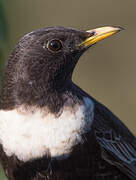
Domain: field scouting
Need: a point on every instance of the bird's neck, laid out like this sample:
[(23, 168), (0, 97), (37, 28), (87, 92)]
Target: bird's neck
[(48, 93)]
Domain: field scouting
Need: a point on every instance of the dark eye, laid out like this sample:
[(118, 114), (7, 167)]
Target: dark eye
[(54, 45)]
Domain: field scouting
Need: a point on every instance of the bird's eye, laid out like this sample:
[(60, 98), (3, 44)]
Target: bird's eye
[(54, 45)]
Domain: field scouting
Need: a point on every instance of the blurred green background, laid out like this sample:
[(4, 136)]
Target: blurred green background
[(108, 70)]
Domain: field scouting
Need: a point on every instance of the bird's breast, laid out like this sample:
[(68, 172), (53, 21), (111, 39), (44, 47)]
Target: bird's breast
[(31, 135)]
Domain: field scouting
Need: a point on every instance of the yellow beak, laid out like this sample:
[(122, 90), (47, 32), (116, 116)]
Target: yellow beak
[(99, 34)]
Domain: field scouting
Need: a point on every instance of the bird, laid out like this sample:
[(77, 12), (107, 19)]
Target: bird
[(51, 129)]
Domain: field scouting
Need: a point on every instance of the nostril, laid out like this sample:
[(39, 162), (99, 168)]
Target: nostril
[(92, 33)]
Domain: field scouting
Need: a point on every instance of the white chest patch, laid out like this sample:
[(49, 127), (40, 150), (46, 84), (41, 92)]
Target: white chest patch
[(30, 135)]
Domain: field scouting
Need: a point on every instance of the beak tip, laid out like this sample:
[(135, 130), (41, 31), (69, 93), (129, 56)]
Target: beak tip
[(119, 28)]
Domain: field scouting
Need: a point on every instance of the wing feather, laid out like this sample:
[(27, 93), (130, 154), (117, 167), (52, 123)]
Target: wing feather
[(117, 143)]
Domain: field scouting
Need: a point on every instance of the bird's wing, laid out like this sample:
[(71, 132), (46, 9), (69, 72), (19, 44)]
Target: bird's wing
[(118, 145)]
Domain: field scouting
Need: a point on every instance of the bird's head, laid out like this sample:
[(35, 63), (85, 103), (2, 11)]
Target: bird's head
[(44, 60)]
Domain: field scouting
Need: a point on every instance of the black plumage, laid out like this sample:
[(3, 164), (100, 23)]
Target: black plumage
[(38, 73)]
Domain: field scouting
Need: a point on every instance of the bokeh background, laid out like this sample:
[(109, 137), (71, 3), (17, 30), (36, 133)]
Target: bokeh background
[(108, 70)]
